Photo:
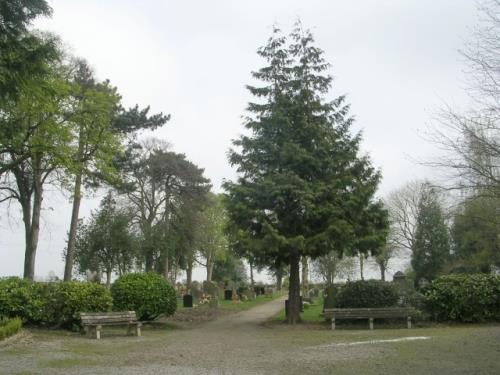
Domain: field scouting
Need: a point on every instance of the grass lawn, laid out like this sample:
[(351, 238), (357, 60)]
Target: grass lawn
[(311, 314)]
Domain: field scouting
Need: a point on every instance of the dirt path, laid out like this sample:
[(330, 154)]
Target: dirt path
[(241, 344)]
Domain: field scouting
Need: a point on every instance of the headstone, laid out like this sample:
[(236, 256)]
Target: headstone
[(187, 300)]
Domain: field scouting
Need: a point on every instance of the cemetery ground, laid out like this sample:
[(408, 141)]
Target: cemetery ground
[(254, 342)]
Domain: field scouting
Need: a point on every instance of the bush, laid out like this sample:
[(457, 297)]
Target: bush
[(9, 327), (148, 294), (21, 298), (52, 304), (371, 293), (464, 298), (65, 300)]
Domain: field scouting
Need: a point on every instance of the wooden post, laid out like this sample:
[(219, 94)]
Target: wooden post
[(333, 323), (371, 323), (409, 322)]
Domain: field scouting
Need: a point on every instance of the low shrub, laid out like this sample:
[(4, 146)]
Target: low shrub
[(370, 293), (148, 294), (9, 327), (21, 298), (464, 297), (65, 300)]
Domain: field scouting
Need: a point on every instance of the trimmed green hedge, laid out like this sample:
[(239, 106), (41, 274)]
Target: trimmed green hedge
[(464, 297), (9, 327), (51, 304), (148, 294), (64, 301), (369, 293), (21, 298)]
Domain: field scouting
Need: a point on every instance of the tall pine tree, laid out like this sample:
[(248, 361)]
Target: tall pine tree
[(302, 189)]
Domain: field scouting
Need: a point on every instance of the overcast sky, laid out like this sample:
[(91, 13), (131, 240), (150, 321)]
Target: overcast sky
[(397, 60)]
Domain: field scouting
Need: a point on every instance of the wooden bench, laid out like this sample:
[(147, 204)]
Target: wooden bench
[(93, 322), (370, 314)]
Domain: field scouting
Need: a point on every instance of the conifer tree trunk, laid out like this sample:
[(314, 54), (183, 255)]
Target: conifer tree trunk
[(293, 316), (305, 277)]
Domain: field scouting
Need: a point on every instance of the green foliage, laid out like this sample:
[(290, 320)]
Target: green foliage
[(370, 293), (432, 245), (106, 242), (476, 245), (23, 54), (51, 304), (303, 188), (21, 298), (464, 298), (230, 268), (9, 327), (64, 301), (148, 294)]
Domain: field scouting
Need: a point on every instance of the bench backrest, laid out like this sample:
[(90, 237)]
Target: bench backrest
[(108, 317), (380, 312)]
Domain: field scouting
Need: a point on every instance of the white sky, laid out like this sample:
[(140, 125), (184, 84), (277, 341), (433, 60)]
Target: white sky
[(397, 60)]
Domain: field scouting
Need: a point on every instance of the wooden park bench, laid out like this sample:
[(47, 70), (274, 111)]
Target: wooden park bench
[(93, 322), (370, 314)]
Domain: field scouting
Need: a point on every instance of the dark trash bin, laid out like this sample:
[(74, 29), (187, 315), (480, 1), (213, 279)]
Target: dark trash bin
[(187, 300), (228, 294)]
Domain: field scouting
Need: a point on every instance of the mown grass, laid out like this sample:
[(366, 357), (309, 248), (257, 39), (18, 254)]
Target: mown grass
[(312, 312)]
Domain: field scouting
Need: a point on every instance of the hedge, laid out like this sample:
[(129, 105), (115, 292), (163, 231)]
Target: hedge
[(148, 294), (51, 304), (65, 300), (369, 293), (21, 298), (464, 297), (9, 327)]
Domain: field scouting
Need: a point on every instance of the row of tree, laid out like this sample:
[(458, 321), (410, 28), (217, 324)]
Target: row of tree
[(60, 125)]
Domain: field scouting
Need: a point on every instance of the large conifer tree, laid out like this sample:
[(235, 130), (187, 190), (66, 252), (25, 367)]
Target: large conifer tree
[(302, 189)]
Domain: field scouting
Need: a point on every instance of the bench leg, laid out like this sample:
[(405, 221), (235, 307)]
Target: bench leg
[(371, 323), (98, 332), (138, 329), (333, 324), (408, 322)]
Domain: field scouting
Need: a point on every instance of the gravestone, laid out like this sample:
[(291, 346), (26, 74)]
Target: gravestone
[(187, 300)]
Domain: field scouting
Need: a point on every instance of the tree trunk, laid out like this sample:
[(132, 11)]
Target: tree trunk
[(251, 274), (305, 277), (70, 253), (361, 266), (293, 316), (166, 266), (108, 278), (33, 226), (382, 271), (279, 279), (210, 268), (189, 275)]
